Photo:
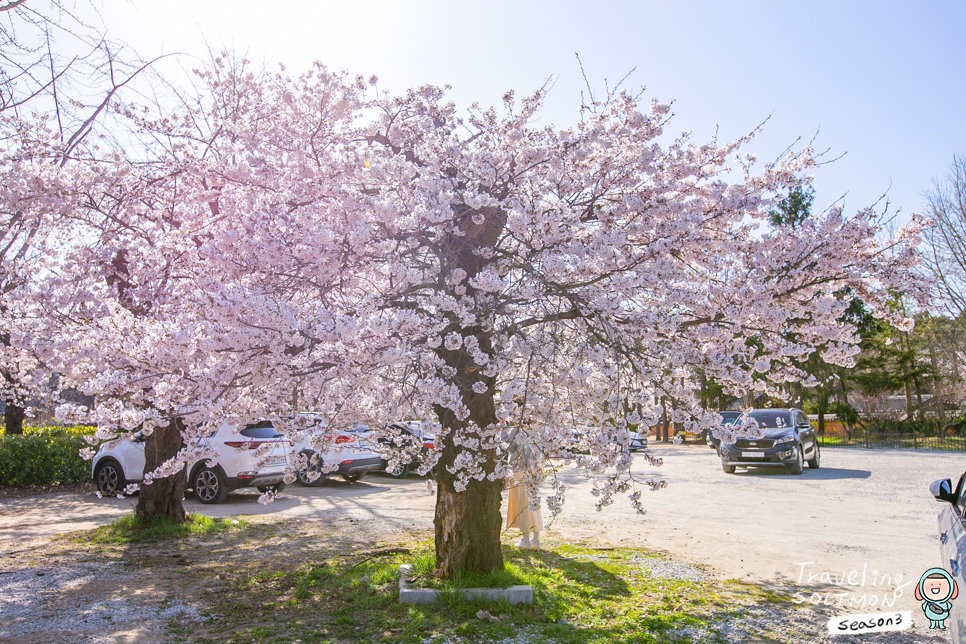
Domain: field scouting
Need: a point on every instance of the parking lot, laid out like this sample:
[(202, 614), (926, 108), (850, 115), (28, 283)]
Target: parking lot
[(867, 511)]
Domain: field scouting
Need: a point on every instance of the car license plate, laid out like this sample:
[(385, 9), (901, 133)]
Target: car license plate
[(277, 460), (752, 455)]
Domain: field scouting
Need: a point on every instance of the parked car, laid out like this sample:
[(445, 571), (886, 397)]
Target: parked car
[(410, 439), (952, 552), (577, 441), (789, 441), (638, 441), (254, 456), (727, 418), (349, 450)]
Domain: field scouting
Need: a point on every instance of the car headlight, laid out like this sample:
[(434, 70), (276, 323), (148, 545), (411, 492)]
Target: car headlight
[(784, 439)]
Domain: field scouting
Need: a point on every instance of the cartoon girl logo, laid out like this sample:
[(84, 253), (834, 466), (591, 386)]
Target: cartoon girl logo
[(937, 590)]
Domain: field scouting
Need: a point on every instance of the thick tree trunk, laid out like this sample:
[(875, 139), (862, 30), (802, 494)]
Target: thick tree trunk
[(468, 522), (467, 526), (163, 497), (13, 417)]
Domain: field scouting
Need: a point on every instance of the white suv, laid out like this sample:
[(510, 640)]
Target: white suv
[(254, 456)]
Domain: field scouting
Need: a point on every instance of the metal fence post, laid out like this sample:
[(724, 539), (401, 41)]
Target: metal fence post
[(915, 438)]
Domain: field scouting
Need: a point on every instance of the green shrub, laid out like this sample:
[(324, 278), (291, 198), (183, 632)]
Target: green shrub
[(44, 456), (79, 430)]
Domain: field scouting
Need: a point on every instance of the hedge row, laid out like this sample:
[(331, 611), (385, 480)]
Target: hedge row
[(44, 456), (79, 430)]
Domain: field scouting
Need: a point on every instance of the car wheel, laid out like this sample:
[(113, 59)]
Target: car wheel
[(277, 488), (314, 467), (352, 478), (728, 469), (109, 478), (210, 485), (401, 470), (799, 466), (816, 461)]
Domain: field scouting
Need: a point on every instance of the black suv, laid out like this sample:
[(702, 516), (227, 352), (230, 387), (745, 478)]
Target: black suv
[(789, 441)]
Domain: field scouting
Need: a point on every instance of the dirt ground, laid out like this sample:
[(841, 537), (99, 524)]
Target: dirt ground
[(865, 520)]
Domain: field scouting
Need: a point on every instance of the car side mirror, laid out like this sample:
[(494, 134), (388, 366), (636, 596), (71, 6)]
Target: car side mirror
[(943, 491)]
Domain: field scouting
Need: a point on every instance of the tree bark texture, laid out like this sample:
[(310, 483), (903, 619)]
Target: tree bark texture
[(468, 521), (467, 526), (163, 497), (13, 417)]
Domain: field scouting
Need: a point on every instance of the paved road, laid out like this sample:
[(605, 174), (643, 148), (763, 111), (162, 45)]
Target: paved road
[(867, 511)]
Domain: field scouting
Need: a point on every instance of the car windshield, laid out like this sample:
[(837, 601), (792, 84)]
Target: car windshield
[(772, 418)]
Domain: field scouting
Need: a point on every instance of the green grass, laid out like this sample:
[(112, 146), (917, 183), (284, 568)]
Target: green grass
[(423, 575), (581, 596), (130, 529)]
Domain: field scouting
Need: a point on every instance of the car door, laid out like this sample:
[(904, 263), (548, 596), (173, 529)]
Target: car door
[(133, 457), (806, 434)]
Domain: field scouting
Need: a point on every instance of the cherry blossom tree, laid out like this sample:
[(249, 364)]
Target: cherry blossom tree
[(297, 243), (58, 76)]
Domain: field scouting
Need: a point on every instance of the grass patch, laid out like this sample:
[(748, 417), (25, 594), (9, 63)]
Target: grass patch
[(581, 596), (424, 575), (131, 529)]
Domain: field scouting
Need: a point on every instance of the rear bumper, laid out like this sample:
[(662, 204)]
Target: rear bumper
[(257, 480), (360, 466)]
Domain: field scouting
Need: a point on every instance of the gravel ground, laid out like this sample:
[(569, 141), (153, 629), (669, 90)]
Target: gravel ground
[(86, 603)]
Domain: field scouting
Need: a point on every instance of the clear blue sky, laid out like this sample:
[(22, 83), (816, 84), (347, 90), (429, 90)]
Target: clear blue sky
[(882, 82)]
